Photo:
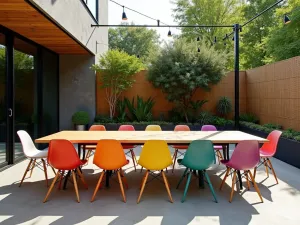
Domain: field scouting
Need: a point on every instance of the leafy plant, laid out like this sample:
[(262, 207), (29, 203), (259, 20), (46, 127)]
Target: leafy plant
[(273, 126), (103, 119), (175, 116), (116, 69), (297, 138), (195, 107), (220, 122), (249, 117), (142, 111), (80, 118), (205, 118), (179, 71), (224, 106), (121, 111)]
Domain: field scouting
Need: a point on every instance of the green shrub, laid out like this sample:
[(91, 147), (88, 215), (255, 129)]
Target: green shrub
[(248, 117), (287, 134), (142, 111), (175, 116), (220, 122), (205, 118), (273, 126), (224, 106), (297, 138), (103, 119), (81, 118), (121, 111)]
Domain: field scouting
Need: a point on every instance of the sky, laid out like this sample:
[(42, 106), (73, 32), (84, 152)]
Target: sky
[(157, 9)]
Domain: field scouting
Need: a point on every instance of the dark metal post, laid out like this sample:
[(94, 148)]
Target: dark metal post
[(236, 76), (97, 10)]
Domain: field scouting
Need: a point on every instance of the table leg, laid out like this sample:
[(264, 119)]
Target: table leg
[(201, 178), (224, 152), (66, 179), (240, 179), (79, 150), (108, 174), (83, 154)]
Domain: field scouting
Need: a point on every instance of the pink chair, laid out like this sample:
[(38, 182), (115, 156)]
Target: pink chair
[(217, 148), (244, 157), (179, 147), (129, 148), (267, 151)]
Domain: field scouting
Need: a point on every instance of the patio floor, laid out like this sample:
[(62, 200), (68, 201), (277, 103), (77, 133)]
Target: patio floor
[(24, 205)]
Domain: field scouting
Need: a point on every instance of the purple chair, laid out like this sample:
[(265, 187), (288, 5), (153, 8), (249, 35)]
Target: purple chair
[(244, 157), (217, 148)]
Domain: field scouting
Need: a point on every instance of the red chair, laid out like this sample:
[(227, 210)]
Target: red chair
[(267, 151), (129, 148), (91, 148), (179, 147), (216, 147), (63, 156)]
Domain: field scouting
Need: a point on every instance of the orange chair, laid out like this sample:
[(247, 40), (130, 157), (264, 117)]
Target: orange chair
[(129, 148), (267, 151), (179, 147), (110, 156), (63, 156), (91, 148)]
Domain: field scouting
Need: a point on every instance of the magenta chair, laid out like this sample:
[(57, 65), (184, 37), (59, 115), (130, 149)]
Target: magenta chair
[(216, 147), (267, 151), (244, 157), (129, 148)]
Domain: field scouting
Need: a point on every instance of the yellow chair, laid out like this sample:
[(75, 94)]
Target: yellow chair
[(153, 128), (155, 156)]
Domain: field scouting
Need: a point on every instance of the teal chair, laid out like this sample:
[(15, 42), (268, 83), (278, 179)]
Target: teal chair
[(200, 155)]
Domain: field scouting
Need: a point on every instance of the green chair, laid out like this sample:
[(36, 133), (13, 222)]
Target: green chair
[(200, 155)]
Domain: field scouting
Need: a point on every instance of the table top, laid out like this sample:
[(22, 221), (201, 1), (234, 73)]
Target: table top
[(140, 137)]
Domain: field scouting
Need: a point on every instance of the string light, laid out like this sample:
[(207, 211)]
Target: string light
[(198, 38), (169, 33), (198, 49), (124, 17), (286, 19)]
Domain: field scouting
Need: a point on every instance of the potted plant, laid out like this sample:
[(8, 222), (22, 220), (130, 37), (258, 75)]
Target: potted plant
[(80, 119)]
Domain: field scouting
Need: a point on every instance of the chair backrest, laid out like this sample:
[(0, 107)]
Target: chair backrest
[(27, 143), (208, 128), (200, 155), (155, 155), (153, 128), (182, 128), (97, 128), (246, 155), (62, 155), (271, 146), (126, 128), (109, 155)]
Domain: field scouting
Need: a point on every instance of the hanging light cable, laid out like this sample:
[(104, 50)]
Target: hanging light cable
[(124, 17)]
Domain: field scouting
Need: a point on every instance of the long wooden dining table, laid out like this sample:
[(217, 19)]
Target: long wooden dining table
[(224, 138)]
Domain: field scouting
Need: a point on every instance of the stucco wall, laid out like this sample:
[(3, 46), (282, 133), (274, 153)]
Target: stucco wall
[(76, 87), (74, 17)]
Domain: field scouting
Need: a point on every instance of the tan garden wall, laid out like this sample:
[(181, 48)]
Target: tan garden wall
[(273, 93), (145, 89)]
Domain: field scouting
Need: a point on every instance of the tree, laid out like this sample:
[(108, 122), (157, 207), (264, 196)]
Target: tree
[(116, 69), (134, 41), (179, 71), (283, 41)]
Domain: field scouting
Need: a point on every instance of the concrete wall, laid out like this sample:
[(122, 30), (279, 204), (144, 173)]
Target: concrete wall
[(76, 88), (145, 89), (74, 17)]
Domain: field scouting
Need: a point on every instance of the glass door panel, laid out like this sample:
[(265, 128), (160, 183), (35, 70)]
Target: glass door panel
[(3, 127)]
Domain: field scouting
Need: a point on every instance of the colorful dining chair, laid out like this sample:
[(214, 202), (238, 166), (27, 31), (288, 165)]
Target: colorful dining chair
[(199, 157), (63, 157), (110, 156), (267, 151), (155, 156), (91, 148), (32, 153), (178, 148), (129, 148), (245, 157), (152, 128), (217, 148)]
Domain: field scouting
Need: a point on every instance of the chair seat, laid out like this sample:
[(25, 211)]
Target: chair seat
[(236, 167), (90, 147), (38, 154), (127, 146), (218, 147), (182, 147), (265, 153)]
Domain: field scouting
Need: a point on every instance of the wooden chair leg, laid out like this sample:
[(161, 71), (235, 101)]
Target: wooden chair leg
[(143, 186), (75, 186), (133, 159), (33, 165), (273, 171), (45, 171), (121, 186), (51, 186), (255, 186), (247, 178), (167, 185), (174, 159), (26, 171), (232, 186), (98, 185), (226, 175), (123, 178), (81, 178)]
